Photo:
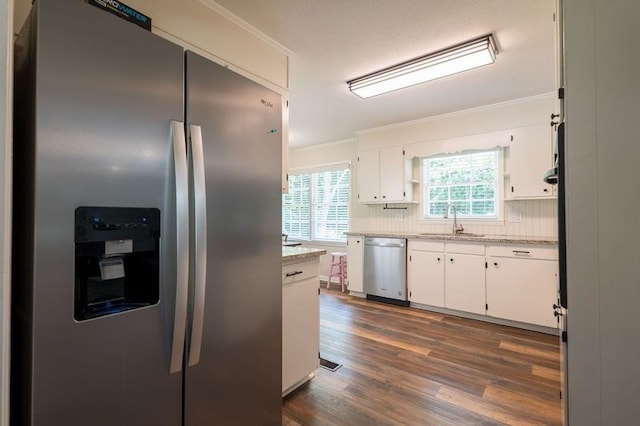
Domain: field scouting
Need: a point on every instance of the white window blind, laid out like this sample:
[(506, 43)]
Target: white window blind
[(296, 208), (317, 205), (469, 181)]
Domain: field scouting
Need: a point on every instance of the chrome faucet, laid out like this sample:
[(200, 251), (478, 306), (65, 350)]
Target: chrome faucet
[(456, 228)]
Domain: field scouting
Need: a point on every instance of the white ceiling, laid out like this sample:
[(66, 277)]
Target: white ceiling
[(334, 41)]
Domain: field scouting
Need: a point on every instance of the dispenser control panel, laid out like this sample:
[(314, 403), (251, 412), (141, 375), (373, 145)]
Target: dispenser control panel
[(101, 223)]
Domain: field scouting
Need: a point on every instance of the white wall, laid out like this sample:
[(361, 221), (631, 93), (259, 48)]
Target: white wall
[(603, 239), (539, 217), (333, 152), (489, 118)]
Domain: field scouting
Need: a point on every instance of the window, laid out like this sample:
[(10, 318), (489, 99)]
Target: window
[(317, 205), (469, 181), (296, 208)]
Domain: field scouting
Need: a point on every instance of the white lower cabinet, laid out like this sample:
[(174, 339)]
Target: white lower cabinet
[(425, 273), (355, 263), (465, 278), (300, 323), (505, 281), (522, 284)]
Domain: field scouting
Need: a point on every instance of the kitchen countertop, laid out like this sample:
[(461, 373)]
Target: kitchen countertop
[(300, 253), (503, 239)]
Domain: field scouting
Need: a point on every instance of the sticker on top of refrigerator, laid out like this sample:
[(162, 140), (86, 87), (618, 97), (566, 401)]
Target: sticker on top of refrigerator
[(123, 11)]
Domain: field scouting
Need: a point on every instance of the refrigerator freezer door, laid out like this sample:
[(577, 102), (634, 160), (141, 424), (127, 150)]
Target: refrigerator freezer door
[(105, 92), (238, 377)]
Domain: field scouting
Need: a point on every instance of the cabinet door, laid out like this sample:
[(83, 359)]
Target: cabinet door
[(392, 179), (300, 331), (522, 290), (355, 261), (464, 282), (369, 176), (530, 155), (425, 277), (285, 145)]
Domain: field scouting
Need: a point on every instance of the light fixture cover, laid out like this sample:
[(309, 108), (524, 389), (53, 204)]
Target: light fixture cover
[(462, 57)]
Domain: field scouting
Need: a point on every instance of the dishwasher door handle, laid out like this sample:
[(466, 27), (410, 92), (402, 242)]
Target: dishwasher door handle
[(368, 243)]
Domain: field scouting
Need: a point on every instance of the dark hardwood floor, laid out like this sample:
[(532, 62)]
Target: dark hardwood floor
[(405, 366)]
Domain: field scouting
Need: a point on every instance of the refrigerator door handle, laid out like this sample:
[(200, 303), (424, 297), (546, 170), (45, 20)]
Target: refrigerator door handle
[(182, 245), (200, 232)]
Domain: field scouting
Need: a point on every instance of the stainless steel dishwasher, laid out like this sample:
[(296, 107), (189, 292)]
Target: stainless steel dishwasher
[(385, 270)]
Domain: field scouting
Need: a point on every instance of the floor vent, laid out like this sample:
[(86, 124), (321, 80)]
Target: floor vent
[(331, 366)]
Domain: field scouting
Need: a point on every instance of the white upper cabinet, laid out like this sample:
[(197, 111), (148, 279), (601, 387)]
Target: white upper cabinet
[(530, 155), (384, 176), (392, 174), (369, 176)]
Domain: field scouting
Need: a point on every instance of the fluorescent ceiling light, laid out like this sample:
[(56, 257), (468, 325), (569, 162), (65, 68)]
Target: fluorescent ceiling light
[(465, 56)]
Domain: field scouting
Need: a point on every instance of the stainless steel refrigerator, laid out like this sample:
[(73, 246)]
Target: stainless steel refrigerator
[(147, 255)]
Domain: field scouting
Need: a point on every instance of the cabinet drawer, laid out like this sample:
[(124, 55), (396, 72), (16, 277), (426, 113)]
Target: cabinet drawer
[(299, 271), (426, 245), (525, 252), (465, 248)]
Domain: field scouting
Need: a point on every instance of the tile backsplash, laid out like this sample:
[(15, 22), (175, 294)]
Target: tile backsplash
[(521, 218)]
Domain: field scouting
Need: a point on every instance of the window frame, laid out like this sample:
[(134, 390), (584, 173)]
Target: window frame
[(499, 189), (332, 167)]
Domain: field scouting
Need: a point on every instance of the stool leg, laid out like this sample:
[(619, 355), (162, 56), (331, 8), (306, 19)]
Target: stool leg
[(333, 264), (344, 273)]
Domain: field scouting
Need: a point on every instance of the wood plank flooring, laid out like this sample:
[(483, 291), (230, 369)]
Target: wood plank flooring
[(404, 366)]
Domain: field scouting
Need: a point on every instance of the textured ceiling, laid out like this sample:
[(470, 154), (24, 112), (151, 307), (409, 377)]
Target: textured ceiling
[(337, 40)]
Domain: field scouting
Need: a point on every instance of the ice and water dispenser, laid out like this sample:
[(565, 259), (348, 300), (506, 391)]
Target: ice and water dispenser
[(117, 253)]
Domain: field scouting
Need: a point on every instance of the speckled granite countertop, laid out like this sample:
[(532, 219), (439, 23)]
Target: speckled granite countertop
[(503, 239), (300, 253)]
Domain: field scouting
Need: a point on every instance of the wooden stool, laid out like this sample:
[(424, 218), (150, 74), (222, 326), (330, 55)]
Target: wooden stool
[(339, 263)]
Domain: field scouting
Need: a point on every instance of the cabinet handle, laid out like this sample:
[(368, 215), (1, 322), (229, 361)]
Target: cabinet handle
[(291, 274), (384, 196), (375, 197), (438, 260), (495, 263), (546, 190), (451, 260), (521, 252)]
